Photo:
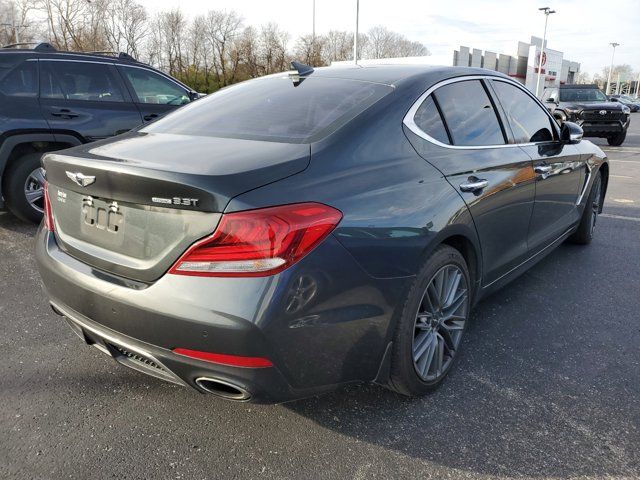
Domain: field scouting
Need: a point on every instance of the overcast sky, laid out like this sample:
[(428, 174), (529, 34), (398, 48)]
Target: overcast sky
[(582, 29)]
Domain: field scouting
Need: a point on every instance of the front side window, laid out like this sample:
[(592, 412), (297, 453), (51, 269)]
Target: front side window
[(93, 82), (274, 109), (428, 119), (21, 81), (528, 120), (582, 95), (153, 88), (469, 114)]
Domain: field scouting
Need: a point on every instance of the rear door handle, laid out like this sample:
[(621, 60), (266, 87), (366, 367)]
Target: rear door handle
[(542, 169), (473, 184), (65, 113), (149, 117)]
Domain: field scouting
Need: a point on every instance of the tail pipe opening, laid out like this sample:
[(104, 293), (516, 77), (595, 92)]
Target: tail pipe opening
[(223, 389)]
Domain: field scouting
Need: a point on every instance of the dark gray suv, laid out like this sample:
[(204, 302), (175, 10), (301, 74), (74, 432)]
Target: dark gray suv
[(52, 100)]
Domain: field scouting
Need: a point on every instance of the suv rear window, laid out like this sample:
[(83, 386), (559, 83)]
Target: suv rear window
[(582, 95), (274, 109)]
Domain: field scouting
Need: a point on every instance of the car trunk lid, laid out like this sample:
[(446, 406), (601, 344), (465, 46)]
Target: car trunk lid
[(132, 206)]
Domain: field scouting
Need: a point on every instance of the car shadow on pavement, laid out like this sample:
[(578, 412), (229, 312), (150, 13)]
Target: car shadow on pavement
[(546, 386)]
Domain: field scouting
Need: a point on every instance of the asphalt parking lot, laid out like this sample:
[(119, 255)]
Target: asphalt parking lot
[(548, 386)]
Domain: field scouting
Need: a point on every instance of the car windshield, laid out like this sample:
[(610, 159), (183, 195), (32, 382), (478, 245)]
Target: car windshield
[(582, 95), (274, 109)]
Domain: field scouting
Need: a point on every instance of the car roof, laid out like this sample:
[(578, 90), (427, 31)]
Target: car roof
[(396, 74)]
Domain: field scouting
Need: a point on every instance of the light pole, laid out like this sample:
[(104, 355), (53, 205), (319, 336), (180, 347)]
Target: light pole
[(313, 35), (355, 35), (547, 11), (614, 45)]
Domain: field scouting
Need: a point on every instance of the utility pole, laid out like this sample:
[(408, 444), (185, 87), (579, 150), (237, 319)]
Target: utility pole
[(355, 35), (547, 11), (614, 45)]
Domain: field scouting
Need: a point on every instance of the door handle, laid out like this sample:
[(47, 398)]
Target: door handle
[(149, 117), (542, 169), (473, 184), (65, 113)]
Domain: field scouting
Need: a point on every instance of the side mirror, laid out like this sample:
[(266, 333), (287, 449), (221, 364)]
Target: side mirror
[(551, 100), (614, 100), (571, 133)]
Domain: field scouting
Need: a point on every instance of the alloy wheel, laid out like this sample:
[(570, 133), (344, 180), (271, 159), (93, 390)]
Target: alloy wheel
[(34, 189), (440, 323)]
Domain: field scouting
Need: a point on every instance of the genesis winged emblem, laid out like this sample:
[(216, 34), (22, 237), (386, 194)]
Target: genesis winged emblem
[(80, 178)]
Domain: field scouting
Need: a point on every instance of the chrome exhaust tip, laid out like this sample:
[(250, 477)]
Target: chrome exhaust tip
[(223, 389)]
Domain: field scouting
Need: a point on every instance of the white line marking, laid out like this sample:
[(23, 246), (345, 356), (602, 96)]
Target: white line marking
[(624, 161), (620, 217), (622, 200), (620, 176)]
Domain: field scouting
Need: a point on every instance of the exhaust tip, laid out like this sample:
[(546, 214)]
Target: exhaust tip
[(223, 389)]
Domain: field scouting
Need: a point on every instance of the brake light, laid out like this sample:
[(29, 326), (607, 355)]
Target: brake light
[(48, 216), (224, 359), (259, 242)]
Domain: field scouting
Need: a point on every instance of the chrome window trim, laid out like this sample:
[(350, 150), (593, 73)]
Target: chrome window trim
[(410, 123)]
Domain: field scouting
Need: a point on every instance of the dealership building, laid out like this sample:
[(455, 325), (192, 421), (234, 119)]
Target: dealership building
[(523, 67)]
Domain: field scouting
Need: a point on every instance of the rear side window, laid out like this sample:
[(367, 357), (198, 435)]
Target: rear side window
[(428, 119), (274, 109), (528, 120), (153, 88), (21, 81), (79, 81), (469, 114)]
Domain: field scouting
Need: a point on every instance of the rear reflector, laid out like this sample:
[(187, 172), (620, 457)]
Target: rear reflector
[(48, 216), (259, 242), (223, 359)]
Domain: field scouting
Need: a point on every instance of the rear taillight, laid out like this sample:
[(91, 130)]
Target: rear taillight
[(259, 242), (48, 216)]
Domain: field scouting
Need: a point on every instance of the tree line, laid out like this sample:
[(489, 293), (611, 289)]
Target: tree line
[(207, 51)]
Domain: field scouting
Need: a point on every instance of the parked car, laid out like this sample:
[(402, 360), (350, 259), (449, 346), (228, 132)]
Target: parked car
[(587, 106), (53, 100), (633, 104), (301, 231)]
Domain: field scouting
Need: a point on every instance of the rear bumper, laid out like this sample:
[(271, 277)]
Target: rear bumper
[(337, 336)]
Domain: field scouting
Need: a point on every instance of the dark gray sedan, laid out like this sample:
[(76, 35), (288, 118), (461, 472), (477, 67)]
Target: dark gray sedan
[(309, 229)]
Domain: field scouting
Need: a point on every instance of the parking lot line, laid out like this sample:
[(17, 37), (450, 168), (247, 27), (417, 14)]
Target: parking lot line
[(620, 217)]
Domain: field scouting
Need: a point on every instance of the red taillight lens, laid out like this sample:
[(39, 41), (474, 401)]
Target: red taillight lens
[(259, 242), (224, 359), (48, 216)]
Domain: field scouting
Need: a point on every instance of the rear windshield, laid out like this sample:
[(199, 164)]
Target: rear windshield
[(274, 109), (582, 95)]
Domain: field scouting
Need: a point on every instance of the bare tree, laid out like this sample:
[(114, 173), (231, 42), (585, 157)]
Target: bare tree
[(126, 26), (310, 50), (273, 46), (383, 43), (338, 46)]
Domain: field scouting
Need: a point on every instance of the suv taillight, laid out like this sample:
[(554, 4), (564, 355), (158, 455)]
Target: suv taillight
[(259, 242), (48, 216)]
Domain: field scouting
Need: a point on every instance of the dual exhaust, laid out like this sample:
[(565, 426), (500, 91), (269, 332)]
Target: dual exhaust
[(223, 389)]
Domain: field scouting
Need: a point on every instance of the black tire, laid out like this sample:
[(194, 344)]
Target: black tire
[(593, 206), (405, 377), (617, 140), (17, 179)]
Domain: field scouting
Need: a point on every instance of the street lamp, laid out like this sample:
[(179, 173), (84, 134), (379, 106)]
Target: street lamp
[(547, 11), (614, 45), (355, 35)]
